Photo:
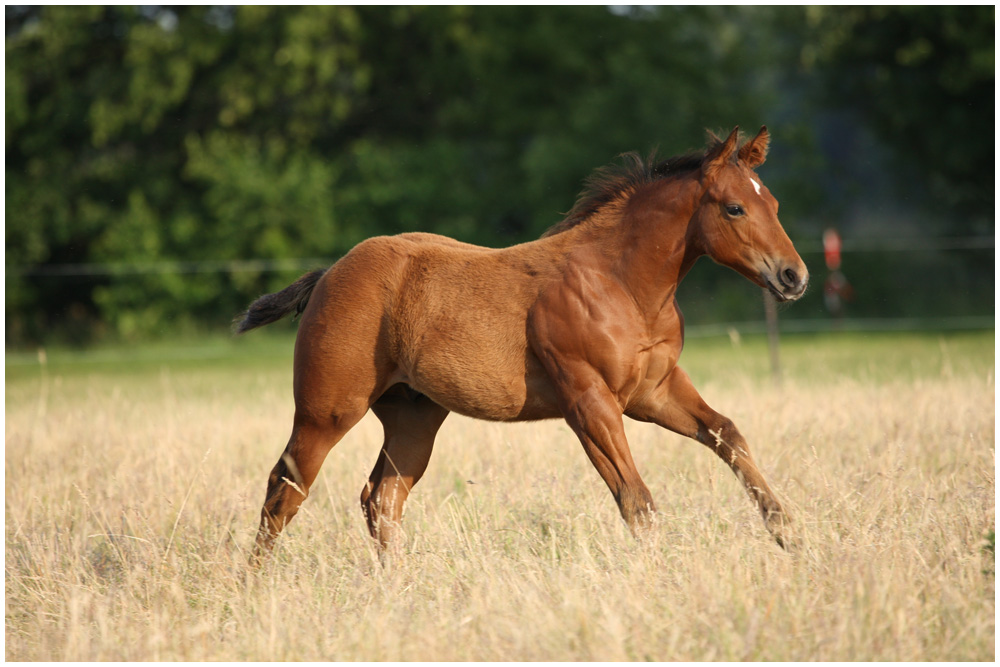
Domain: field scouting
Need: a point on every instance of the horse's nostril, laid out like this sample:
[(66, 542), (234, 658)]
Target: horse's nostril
[(789, 277)]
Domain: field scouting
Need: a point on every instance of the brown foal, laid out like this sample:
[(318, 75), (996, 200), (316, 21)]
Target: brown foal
[(581, 324)]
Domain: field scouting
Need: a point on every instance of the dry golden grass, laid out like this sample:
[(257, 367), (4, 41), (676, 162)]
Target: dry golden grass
[(133, 495)]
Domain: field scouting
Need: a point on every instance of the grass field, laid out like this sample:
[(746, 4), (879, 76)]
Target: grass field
[(134, 480)]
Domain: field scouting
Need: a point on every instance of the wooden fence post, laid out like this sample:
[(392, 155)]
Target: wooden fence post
[(771, 314)]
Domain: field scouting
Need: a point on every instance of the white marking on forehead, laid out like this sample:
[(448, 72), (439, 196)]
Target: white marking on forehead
[(756, 186)]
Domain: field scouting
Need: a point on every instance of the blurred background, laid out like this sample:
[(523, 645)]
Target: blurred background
[(166, 165)]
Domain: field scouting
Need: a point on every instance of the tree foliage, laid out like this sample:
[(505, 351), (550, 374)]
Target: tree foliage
[(923, 79), (137, 136)]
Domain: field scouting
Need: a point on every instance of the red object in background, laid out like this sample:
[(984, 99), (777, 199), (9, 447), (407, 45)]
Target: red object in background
[(831, 249)]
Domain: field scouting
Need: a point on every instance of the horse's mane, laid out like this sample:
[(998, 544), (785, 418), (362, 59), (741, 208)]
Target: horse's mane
[(609, 183)]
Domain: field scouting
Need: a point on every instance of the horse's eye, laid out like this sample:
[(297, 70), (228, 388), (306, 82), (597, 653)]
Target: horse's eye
[(735, 210)]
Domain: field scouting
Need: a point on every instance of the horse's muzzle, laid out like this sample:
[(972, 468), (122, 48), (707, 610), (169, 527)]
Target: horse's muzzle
[(788, 283)]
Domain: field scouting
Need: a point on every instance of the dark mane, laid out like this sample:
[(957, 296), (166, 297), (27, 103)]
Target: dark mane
[(609, 183)]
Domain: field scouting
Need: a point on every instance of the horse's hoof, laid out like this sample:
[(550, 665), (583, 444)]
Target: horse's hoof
[(780, 527)]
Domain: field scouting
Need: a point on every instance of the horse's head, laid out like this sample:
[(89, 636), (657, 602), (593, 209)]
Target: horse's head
[(737, 219)]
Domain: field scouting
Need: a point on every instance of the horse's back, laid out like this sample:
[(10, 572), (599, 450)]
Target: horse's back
[(376, 267)]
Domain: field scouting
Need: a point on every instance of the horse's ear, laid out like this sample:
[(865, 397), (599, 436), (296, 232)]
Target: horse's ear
[(754, 152), (722, 154)]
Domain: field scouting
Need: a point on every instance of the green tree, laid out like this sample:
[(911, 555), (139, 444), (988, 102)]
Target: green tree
[(152, 134), (149, 134), (923, 79), (139, 137)]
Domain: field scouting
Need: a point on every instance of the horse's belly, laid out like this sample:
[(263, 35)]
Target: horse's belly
[(472, 386), (481, 404)]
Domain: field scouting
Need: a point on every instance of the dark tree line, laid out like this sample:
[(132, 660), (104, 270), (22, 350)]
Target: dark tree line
[(138, 136)]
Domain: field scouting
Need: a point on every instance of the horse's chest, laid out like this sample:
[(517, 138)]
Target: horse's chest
[(651, 366), (658, 362)]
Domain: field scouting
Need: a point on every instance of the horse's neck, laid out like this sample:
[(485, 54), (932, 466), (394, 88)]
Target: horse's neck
[(656, 244), (644, 241), (647, 268)]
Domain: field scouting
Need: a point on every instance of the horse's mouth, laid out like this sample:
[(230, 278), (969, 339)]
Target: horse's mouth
[(781, 296), (786, 281), (775, 292)]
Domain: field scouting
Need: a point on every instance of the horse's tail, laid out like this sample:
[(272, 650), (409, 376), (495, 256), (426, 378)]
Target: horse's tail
[(272, 307)]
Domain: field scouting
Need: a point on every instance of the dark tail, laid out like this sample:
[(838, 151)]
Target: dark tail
[(272, 307)]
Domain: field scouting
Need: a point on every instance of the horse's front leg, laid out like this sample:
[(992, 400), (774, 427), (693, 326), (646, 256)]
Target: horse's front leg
[(676, 405), (583, 332), (591, 410)]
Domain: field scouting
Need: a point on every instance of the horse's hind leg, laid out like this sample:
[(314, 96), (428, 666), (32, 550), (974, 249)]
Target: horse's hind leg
[(342, 364), (410, 421), (294, 473)]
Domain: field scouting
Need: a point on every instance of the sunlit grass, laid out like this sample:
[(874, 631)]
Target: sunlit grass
[(133, 487)]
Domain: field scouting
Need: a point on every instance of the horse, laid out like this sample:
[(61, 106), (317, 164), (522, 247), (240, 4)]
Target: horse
[(581, 324)]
